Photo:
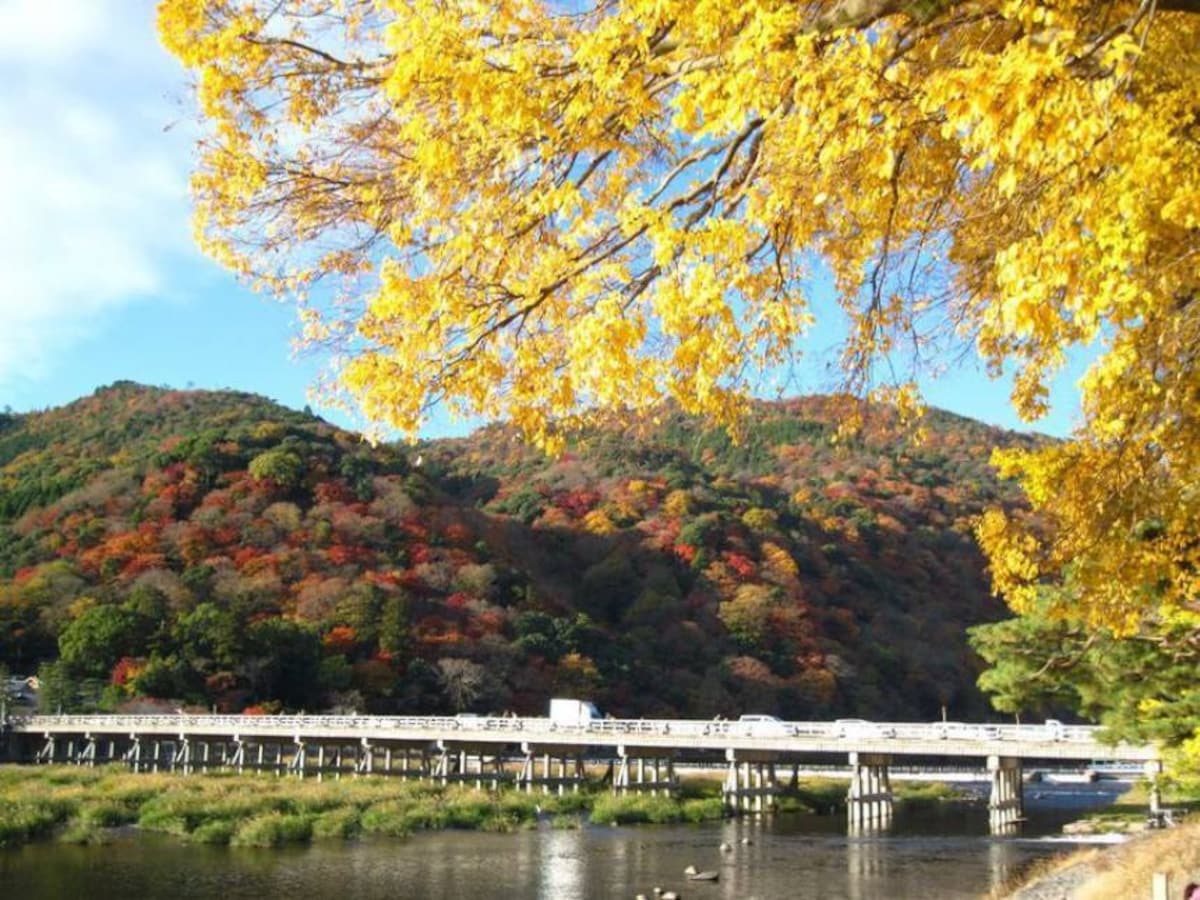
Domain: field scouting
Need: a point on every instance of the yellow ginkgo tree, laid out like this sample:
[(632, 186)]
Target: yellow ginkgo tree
[(552, 211)]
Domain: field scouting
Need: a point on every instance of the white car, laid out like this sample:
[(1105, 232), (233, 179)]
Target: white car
[(945, 730), (860, 728), (764, 726)]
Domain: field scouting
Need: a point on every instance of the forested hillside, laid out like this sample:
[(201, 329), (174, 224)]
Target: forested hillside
[(214, 548)]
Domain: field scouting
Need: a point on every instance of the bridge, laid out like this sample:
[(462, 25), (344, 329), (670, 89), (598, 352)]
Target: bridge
[(540, 754)]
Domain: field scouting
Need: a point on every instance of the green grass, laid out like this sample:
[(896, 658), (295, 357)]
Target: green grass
[(216, 831), (24, 818), (273, 829), (81, 831), (337, 824), (706, 809), (927, 793), (80, 805), (814, 795), (632, 809)]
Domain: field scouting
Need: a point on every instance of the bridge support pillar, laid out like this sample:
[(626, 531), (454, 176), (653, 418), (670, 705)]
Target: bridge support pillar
[(134, 754), (299, 761), (239, 755), (441, 765), (568, 760), (750, 783), (87, 755), (869, 802), (1006, 804), (366, 759), (653, 771), (181, 758)]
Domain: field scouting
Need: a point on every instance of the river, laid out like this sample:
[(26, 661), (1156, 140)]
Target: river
[(930, 853)]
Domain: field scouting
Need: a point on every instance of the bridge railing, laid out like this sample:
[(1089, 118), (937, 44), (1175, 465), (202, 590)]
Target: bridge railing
[(848, 730)]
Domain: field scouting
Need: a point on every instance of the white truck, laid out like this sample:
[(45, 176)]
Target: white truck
[(566, 713)]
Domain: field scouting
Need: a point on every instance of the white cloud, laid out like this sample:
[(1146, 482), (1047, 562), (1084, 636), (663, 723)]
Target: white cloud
[(46, 32), (93, 192)]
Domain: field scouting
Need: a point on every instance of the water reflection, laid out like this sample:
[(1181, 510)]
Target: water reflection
[(1003, 859), (865, 866), (564, 865)]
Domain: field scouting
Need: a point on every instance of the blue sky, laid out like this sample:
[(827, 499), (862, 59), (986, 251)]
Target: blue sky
[(102, 281)]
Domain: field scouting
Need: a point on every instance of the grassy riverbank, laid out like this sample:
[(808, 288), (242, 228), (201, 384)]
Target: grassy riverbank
[(80, 805)]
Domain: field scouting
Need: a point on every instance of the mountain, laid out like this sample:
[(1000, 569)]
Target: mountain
[(215, 548)]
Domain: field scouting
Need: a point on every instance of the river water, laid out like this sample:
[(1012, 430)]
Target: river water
[(931, 853)]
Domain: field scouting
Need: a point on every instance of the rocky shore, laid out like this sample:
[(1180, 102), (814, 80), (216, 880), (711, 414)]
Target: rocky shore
[(1123, 870)]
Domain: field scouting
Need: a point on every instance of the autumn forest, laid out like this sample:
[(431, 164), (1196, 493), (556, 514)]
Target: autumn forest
[(218, 550)]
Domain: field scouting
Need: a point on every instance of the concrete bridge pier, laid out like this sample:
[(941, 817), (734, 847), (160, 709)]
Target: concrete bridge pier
[(869, 801), (569, 759), (298, 764), (653, 771), (181, 758), (475, 765), (365, 764), (87, 754), (335, 764), (238, 760), (443, 764), (750, 783), (1006, 804), (133, 756)]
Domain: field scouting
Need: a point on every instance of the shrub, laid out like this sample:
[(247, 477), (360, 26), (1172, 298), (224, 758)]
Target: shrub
[(108, 812), (336, 824), (394, 819), (24, 820), (567, 803), (273, 829), (81, 831), (216, 831), (702, 810), (632, 809)]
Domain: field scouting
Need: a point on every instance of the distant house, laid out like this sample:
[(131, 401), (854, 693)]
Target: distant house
[(22, 690)]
